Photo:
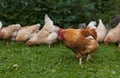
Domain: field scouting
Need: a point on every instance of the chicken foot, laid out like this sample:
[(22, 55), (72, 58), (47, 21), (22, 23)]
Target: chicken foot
[(80, 61)]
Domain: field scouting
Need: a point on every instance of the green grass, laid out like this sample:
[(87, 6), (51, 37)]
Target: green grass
[(56, 62)]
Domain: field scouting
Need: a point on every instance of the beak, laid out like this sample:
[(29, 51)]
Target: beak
[(17, 41), (106, 42)]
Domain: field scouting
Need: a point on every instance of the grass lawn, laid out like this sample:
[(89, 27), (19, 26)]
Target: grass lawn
[(56, 62)]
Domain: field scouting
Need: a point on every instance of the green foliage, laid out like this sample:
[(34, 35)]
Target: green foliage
[(107, 9), (65, 13)]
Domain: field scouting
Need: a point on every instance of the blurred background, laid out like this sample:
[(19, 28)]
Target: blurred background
[(64, 13)]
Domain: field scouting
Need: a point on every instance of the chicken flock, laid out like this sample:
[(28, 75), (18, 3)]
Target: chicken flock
[(82, 41)]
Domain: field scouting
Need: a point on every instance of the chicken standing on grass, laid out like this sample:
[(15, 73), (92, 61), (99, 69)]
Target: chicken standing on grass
[(47, 35), (27, 32), (80, 41), (101, 31), (10, 31), (113, 36)]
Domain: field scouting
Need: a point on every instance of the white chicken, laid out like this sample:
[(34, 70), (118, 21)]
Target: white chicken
[(113, 36), (101, 31), (10, 31), (27, 32), (47, 35)]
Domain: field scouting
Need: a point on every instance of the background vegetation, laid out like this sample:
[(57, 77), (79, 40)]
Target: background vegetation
[(65, 13)]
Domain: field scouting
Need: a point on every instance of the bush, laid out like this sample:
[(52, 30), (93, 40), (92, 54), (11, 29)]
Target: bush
[(64, 13)]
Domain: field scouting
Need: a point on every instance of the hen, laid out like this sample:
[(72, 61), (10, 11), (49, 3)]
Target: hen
[(101, 31), (80, 41), (10, 31), (27, 32), (113, 36), (47, 35)]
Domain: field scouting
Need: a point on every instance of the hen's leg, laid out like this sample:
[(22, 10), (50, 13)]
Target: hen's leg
[(89, 57), (49, 46), (80, 61), (78, 55)]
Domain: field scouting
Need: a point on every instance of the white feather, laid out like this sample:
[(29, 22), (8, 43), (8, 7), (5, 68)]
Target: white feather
[(52, 36), (48, 20), (92, 24), (38, 25), (49, 24), (89, 37), (0, 24), (18, 25)]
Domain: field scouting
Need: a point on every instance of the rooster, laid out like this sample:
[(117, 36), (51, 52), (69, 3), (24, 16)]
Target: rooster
[(27, 32), (101, 31), (10, 31), (47, 35), (80, 41)]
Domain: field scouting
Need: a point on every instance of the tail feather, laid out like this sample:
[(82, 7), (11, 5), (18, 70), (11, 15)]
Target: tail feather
[(48, 20), (49, 24), (18, 25), (38, 25), (100, 21), (101, 25), (92, 25)]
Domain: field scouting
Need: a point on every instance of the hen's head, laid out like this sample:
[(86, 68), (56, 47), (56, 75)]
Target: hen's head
[(60, 34), (28, 43), (109, 39), (17, 40), (31, 41)]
